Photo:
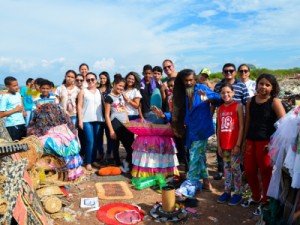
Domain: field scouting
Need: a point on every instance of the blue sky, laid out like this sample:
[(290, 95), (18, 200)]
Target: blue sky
[(46, 38)]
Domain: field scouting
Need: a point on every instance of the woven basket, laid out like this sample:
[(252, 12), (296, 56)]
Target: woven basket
[(34, 152), (49, 191), (52, 204), (34, 174), (3, 206), (55, 168)]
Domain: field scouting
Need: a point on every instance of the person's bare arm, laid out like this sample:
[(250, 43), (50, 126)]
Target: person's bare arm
[(278, 108), (79, 108), (238, 146), (108, 122)]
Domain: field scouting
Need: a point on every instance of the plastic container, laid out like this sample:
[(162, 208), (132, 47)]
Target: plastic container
[(144, 182)]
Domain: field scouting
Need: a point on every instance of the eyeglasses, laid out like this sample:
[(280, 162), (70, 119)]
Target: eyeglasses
[(169, 67), (228, 71), (79, 80), (243, 71), (90, 80)]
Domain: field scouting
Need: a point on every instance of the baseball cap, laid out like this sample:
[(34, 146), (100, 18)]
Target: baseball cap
[(205, 71)]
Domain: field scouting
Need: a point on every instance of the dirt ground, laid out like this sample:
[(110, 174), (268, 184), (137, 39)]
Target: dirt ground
[(209, 212)]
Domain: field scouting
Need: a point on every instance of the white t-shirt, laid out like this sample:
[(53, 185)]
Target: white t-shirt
[(132, 94), (251, 86), (68, 99), (92, 106)]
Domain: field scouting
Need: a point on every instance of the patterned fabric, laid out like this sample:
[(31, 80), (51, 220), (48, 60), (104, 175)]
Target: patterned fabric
[(149, 129), (147, 172), (232, 170), (61, 141), (3, 131), (75, 173), (73, 161), (46, 117), (154, 144), (13, 172), (154, 160), (28, 209), (197, 164)]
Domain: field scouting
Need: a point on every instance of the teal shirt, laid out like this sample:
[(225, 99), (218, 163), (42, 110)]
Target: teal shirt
[(9, 102), (27, 99)]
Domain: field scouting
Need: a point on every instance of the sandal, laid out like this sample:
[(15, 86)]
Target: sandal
[(249, 202), (89, 167)]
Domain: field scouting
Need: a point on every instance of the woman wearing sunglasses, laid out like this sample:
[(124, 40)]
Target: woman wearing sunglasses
[(79, 81), (90, 117), (244, 74)]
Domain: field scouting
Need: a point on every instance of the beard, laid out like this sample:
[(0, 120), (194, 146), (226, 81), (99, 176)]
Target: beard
[(189, 91)]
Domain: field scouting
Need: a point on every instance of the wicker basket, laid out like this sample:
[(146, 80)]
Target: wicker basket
[(54, 167), (49, 191), (34, 152), (52, 204)]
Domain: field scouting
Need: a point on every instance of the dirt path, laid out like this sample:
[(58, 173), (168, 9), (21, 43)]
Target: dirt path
[(209, 212)]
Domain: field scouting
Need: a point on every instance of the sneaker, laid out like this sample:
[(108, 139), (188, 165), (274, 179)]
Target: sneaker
[(124, 170), (235, 200), (218, 176), (257, 211), (249, 202), (224, 197), (125, 165)]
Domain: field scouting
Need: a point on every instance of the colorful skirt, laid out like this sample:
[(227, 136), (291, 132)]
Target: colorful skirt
[(152, 155)]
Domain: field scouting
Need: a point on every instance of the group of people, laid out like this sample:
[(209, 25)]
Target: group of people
[(246, 113)]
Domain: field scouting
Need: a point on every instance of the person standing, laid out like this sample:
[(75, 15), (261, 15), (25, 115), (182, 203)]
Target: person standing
[(105, 89), (148, 84), (244, 74), (203, 78), (11, 107), (229, 138), (27, 99), (84, 70), (67, 95), (115, 115), (241, 95), (196, 118), (90, 117), (262, 111)]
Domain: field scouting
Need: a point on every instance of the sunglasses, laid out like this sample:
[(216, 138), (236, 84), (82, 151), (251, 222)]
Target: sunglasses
[(169, 67), (228, 71), (243, 71), (90, 80), (79, 80)]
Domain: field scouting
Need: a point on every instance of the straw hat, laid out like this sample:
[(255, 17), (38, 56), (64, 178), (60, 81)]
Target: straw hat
[(51, 190), (52, 204), (34, 152), (55, 168)]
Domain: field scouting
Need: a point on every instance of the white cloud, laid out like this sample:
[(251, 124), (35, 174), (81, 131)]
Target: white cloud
[(104, 64), (207, 13), (53, 62)]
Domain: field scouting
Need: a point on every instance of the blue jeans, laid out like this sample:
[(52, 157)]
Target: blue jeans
[(91, 132), (27, 118), (108, 143), (74, 120)]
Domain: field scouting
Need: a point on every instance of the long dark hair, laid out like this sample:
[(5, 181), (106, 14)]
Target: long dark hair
[(137, 82), (69, 71), (272, 79), (107, 84)]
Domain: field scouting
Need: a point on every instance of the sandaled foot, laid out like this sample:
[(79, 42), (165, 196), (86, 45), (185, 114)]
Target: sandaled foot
[(89, 167)]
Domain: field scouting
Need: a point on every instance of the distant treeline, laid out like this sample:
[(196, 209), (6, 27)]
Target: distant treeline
[(255, 72)]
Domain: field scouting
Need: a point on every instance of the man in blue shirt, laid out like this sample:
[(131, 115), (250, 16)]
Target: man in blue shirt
[(197, 119)]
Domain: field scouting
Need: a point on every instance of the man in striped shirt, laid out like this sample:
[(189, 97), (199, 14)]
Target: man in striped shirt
[(241, 95)]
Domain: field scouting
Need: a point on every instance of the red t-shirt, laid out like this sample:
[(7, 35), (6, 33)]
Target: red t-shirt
[(229, 125)]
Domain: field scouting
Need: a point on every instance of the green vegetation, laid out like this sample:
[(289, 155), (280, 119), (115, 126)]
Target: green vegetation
[(255, 72)]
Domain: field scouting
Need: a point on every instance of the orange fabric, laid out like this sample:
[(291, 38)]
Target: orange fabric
[(109, 171)]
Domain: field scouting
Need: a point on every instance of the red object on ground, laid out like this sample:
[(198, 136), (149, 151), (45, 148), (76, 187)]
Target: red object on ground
[(107, 213)]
